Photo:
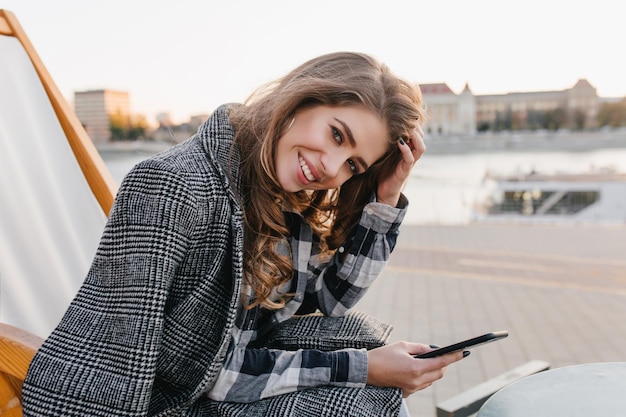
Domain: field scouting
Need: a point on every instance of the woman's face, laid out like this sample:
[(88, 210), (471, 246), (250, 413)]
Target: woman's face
[(325, 146)]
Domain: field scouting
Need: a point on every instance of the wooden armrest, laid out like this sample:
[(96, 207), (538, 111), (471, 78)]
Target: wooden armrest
[(17, 348)]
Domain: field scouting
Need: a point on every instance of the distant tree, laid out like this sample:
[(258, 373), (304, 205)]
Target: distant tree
[(612, 114), (483, 126), (123, 128), (118, 125), (580, 119), (535, 119), (503, 120), (137, 129), (554, 119)]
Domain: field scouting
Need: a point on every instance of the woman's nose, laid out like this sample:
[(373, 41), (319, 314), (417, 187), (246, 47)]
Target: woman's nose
[(332, 163)]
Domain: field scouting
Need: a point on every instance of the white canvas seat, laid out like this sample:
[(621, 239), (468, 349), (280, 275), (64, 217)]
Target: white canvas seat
[(51, 212), (55, 194)]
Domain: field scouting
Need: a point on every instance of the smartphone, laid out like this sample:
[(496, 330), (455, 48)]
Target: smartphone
[(466, 344)]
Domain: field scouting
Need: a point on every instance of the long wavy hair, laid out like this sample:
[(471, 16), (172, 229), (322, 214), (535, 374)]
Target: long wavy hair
[(336, 79)]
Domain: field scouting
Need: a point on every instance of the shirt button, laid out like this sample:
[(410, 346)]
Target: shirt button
[(369, 211), (341, 249)]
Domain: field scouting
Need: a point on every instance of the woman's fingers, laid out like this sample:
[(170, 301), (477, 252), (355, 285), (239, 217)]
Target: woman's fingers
[(395, 365), (412, 148), (416, 143)]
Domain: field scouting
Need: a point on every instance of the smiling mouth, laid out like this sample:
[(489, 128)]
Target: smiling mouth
[(306, 171)]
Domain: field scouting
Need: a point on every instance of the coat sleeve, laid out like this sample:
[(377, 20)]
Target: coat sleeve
[(101, 358), (335, 287)]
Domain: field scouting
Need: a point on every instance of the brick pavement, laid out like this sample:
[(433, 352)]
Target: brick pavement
[(559, 290)]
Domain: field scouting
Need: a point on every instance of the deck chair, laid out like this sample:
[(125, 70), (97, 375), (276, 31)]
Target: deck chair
[(55, 195), (55, 191)]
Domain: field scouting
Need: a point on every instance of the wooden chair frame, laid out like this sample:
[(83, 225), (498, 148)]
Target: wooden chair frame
[(100, 180)]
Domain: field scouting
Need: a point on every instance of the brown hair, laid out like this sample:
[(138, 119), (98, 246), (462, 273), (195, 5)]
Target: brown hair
[(336, 79)]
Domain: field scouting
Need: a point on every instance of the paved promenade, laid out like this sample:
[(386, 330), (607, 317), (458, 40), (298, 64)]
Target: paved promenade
[(559, 290)]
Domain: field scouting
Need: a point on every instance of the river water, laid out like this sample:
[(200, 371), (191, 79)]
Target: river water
[(445, 188)]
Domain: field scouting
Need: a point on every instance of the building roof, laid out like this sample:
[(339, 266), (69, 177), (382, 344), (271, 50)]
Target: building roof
[(583, 83), (437, 88)]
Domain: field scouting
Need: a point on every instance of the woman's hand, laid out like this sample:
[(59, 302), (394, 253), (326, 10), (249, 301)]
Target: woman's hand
[(395, 366), (412, 149)]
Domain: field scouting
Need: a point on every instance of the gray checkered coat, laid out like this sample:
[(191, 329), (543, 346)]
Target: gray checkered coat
[(148, 330)]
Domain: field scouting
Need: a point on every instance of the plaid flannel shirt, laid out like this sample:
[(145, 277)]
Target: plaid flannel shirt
[(334, 287)]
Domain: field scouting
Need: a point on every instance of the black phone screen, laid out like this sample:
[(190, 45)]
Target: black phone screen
[(466, 344)]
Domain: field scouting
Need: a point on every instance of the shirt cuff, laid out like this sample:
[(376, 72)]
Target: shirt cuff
[(382, 217), (357, 367)]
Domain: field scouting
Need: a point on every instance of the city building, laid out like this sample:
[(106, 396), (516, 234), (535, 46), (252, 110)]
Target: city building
[(98, 110), (104, 113), (465, 113), (448, 113), (171, 132), (164, 119)]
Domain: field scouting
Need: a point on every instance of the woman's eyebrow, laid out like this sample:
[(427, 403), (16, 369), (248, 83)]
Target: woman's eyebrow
[(346, 128)]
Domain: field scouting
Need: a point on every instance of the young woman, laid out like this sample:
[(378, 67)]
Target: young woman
[(285, 205)]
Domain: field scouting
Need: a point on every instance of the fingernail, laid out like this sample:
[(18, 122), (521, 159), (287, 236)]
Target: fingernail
[(466, 353), (434, 346), (402, 142)]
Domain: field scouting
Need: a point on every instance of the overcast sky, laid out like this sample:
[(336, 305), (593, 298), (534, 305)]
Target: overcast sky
[(188, 56)]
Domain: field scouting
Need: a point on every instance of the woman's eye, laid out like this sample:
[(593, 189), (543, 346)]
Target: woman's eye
[(337, 135), (353, 166)]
